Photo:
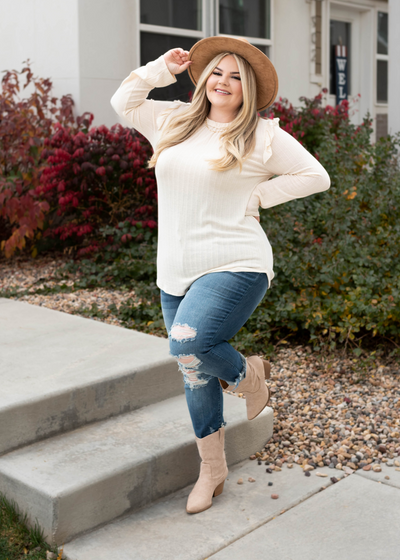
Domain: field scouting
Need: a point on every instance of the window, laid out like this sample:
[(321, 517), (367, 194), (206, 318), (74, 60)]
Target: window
[(165, 24), (249, 18), (382, 59), (185, 14), (340, 34), (246, 18)]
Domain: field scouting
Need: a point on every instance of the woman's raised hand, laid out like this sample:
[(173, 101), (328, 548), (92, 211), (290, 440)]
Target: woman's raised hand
[(177, 60)]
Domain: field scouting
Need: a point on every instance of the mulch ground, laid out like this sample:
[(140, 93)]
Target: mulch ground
[(31, 275), (329, 410)]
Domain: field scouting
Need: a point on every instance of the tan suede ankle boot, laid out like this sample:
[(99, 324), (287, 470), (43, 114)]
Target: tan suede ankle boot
[(213, 472), (253, 386)]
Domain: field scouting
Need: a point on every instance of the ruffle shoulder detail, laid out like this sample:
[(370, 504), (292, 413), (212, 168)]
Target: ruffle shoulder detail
[(270, 125), (162, 117)]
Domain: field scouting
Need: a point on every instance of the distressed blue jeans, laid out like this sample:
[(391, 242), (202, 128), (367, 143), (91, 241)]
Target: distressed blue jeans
[(199, 325)]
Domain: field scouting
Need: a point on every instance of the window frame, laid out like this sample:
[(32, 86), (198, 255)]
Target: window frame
[(175, 31)]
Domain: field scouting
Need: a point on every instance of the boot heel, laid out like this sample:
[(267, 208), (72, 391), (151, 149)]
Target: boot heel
[(267, 369), (219, 489)]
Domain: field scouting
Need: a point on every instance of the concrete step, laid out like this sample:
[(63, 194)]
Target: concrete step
[(76, 481), (164, 531), (59, 372)]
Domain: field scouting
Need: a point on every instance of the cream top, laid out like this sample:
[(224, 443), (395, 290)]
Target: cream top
[(206, 218)]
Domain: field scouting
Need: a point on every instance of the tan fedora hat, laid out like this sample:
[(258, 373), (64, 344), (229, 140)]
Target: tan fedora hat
[(205, 50)]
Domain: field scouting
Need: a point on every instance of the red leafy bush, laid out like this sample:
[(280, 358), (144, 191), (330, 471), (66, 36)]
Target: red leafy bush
[(96, 179), (310, 123), (24, 123)]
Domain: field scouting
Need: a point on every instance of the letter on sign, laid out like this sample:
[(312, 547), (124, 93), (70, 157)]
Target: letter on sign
[(341, 73)]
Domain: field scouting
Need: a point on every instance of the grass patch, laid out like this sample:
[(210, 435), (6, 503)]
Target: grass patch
[(17, 539)]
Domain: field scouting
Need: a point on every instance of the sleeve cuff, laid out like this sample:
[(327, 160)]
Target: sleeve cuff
[(253, 204), (156, 73)]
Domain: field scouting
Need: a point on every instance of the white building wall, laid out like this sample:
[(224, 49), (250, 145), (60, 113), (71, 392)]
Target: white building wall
[(394, 66), (292, 37), (46, 32), (86, 47), (107, 53)]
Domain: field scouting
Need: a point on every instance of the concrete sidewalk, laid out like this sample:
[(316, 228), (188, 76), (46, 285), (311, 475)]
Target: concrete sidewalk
[(357, 518)]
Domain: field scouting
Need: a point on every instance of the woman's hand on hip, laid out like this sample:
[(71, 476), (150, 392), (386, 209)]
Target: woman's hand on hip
[(177, 60)]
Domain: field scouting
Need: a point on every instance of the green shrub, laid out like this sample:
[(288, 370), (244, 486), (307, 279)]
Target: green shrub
[(128, 256), (337, 253)]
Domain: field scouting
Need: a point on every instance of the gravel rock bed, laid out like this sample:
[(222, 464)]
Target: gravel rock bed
[(328, 413), (328, 410)]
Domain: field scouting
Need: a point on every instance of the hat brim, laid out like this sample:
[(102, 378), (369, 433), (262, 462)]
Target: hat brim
[(206, 49)]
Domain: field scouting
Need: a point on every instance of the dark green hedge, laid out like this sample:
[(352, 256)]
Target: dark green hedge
[(337, 253)]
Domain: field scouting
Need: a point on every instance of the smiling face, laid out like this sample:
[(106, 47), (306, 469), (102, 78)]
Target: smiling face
[(224, 87)]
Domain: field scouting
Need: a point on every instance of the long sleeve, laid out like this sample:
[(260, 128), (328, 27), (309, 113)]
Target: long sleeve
[(299, 174), (130, 102)]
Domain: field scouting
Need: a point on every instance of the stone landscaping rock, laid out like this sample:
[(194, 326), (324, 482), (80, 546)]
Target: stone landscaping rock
[(322, 433), (348, 470)]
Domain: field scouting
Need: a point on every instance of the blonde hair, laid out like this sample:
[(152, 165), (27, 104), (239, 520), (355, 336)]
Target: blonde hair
[(238, 140)]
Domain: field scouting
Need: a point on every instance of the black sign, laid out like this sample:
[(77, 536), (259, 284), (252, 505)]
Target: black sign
[(341, 73)]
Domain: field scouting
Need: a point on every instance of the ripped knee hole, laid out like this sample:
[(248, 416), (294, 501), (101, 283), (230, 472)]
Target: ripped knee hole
[(183, 332)]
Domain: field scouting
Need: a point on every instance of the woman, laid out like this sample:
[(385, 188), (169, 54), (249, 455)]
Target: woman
[(214, 159)]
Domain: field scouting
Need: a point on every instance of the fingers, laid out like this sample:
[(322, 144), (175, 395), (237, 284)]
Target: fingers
[(186, 65), (180, 54), (177, 60)]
